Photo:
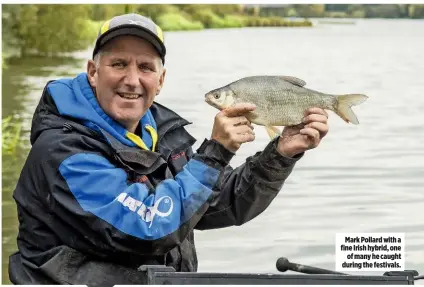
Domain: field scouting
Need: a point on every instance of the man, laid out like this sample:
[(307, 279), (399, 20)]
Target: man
[(111, 182)]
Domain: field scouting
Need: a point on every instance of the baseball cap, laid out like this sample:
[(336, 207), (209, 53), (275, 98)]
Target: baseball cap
[(131, 24)]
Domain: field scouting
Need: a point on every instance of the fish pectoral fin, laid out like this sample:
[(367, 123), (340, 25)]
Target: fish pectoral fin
[(273, 132), (294, 80)]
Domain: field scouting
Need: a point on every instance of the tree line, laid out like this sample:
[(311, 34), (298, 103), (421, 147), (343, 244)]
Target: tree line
[(48, 29), (413, 11)]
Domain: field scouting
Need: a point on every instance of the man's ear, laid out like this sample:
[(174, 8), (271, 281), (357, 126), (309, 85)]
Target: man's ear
[(161, 81), (92, 73)]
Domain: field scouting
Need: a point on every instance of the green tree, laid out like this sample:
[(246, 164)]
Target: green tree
[(336, 7), (154, 11), (10, 30), (310, 10), (355, 10), (382, 11), (50, 29), (102, 12), (416, 11)]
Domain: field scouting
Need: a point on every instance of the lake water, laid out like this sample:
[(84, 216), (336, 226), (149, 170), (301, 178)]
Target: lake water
[(365, 178)]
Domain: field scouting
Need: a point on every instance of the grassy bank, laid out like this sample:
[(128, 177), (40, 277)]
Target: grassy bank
[(209, 20)]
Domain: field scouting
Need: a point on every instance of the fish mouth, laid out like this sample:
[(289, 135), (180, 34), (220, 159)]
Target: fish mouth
[(208, 99)]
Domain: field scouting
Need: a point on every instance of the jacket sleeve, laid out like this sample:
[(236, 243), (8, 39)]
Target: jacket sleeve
[(243, 193), (89, 194)]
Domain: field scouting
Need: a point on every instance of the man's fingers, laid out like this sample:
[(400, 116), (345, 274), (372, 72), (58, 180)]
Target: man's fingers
[(239, 121), (237, 139), (312, 134), (241, 134), (233, 127), (315, 118), (316, 111), (238, 110), (320, 127), (243, 137), (243, 129)]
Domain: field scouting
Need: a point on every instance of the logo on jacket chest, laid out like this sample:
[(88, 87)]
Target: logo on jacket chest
[(162, 207)]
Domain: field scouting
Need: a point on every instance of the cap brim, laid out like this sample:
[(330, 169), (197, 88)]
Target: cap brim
[(134, 31)]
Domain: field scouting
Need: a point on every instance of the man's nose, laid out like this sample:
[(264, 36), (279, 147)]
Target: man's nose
[(132, 77)]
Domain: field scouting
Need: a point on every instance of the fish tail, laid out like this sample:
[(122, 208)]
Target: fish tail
[(344, 102)]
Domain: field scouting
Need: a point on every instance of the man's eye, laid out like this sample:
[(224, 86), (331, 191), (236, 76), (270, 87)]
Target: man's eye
[(145, 67), (118, 65)]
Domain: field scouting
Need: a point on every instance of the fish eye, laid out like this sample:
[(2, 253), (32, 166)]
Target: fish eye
[(216, 96)]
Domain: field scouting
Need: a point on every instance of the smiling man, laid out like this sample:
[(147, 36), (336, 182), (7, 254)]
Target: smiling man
[(126, 75), (111, 182)]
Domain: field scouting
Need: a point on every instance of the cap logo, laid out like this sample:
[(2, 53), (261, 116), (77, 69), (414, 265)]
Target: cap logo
[(140, 23)]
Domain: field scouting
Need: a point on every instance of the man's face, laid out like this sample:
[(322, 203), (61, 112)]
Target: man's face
[(127, 80)]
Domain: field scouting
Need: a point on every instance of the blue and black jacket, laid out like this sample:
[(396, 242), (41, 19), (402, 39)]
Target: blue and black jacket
[(95, 201)]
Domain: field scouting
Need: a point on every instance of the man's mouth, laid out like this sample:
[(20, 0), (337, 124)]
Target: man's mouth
[(130, 96)]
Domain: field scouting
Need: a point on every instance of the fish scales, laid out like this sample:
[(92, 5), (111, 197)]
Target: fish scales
[(281, 100), (278, 102)]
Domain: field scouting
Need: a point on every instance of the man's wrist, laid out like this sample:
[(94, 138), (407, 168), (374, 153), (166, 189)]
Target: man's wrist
[(287, 152), (273, 165), (216, 151)]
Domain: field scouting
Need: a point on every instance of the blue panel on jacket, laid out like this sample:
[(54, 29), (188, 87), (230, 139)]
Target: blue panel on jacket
[(101, 188)]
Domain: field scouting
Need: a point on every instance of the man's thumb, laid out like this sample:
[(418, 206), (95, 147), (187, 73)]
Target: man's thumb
[(238, 109)]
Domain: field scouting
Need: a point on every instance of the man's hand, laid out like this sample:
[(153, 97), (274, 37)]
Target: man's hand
[(308, 135), (231, 128)]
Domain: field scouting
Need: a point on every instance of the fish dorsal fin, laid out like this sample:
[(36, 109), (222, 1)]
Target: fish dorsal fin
[(294, 81)]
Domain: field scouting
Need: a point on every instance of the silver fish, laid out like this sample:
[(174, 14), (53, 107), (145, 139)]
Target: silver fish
[(281, 101)]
